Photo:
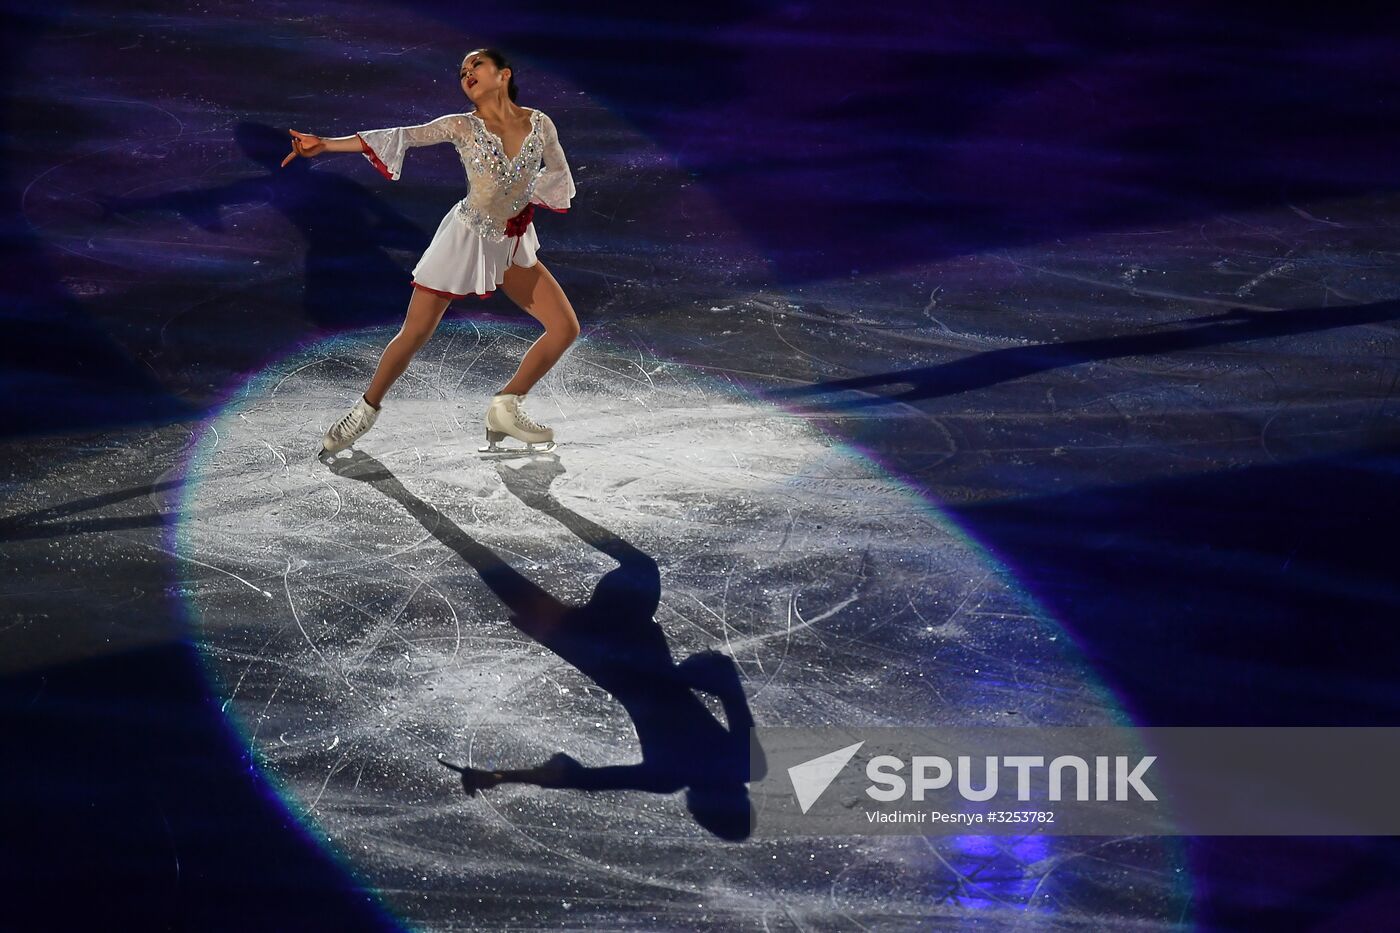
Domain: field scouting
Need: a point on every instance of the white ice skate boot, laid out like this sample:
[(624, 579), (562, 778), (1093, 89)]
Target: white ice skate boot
[(504, 417), (349, 429)]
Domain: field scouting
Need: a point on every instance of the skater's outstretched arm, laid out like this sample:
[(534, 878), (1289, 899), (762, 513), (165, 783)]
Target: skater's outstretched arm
[(308, 145), (384, 148)]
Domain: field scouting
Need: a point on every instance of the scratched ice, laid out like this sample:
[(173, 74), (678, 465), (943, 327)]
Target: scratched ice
[(407, 601)]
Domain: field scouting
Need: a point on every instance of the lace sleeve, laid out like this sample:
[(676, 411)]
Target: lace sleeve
[(385, 148), (556, 186)]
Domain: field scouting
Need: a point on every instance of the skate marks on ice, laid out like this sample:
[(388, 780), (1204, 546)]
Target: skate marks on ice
[(584, 635)]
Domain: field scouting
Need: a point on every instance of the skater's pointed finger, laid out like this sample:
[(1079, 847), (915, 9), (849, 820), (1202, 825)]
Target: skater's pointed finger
[(290, 156)]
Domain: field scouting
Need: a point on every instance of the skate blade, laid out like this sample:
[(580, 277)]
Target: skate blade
[(495, 449)]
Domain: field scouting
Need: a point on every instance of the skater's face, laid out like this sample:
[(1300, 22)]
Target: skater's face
[(481, 78)]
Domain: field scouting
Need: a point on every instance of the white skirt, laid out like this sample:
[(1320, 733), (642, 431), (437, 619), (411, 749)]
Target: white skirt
[(458, 262)]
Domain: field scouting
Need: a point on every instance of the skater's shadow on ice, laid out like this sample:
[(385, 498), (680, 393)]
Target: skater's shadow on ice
[(614, 640), (55, 521), (982, 370), (351, 280)]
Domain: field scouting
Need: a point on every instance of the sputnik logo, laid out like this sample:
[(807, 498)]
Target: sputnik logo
[(810, 779)]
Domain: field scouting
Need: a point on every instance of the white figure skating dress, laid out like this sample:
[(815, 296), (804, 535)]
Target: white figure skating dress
[(491, 228)]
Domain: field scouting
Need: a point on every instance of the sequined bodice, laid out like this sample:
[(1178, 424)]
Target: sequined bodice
[(501, 186)]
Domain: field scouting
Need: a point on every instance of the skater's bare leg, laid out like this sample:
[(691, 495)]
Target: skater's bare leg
[(539, 295), (425, 310)]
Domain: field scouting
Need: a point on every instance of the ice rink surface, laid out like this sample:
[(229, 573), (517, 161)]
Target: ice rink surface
[(1043, 372), (690, 558)]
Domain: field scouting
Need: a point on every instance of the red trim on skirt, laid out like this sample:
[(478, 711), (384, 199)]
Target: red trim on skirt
[(452, 294)]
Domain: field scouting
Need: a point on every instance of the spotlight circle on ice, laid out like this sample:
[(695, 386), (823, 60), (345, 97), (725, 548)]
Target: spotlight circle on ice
[(408, 604)]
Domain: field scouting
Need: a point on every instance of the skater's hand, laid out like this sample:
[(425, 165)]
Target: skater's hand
[(304, 144)]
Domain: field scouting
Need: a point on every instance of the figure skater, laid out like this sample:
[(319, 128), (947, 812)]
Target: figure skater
[(513, 162)]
